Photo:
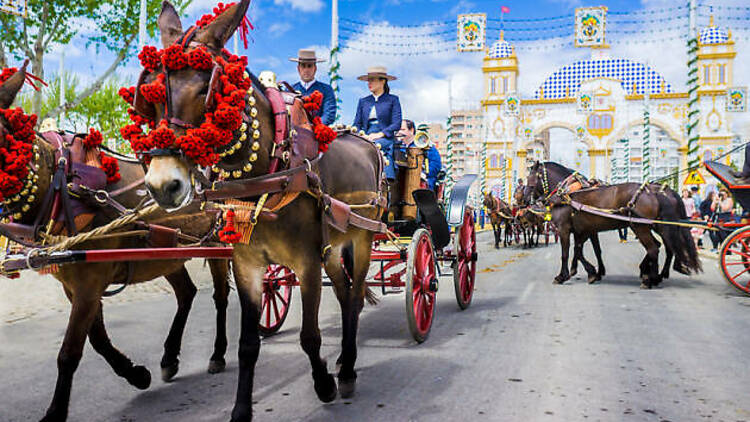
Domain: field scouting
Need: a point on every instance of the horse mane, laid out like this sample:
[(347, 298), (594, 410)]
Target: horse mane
[(558, 166)]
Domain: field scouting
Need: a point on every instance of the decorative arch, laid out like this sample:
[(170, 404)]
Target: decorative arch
[(661, 124), (561, 124)]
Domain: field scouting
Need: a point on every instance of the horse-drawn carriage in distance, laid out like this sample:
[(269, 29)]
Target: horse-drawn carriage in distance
[(426, 230), (734, 253)]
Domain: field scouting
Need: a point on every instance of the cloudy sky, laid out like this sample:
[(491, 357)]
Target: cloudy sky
[(639, 30)]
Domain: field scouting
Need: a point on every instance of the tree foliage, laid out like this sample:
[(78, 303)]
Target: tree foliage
[(111, 25)]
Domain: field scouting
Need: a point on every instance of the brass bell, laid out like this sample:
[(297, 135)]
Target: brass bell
[(255, 146), (237, 174), (253, 157), (30, 199), (25, 207), (256, 134), (248, 168), (243, 127), (24, 192), (238, 145), (36, 157), (251, 101), (17, 216), (253, 112), (243, 137), (216, 169), (255, 124), (34, 189), (16, 198), (225, 174)]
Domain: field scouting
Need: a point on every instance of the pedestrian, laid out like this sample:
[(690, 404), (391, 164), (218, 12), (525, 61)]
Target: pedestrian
[(307, 66), (722, 205), (623, 233), (692, 212), (707, 214)]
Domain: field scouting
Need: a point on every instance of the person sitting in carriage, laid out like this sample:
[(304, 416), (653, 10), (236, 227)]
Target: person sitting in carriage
[(379, 116), (433, 164), (307, 66)]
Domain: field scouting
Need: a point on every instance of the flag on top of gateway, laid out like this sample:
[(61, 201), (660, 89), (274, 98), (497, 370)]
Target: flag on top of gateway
[(505, 9)]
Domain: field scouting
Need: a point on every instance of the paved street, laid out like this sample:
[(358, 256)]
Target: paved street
[(525, 351)]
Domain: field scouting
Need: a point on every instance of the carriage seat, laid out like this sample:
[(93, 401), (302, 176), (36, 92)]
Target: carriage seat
[(725, 174)]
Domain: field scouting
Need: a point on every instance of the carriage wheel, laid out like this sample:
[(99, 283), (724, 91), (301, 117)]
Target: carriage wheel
[(276, 299), (734, 259), (421, 285), (465, 267)]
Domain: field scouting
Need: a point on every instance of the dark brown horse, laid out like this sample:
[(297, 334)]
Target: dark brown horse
[(84, 284), (501, 216), (547, 181), (349, 171)]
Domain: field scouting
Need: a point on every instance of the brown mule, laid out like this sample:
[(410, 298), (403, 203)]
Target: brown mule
[(547, 181), (296, 234), (500, 216), (85, 283)]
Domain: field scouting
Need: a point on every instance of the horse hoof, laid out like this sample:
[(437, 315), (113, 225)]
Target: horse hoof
[(139, 377), (645, 286), (325, 388), (574, 272), (216, 365), (347, 388), (168, 372), (593, 279)]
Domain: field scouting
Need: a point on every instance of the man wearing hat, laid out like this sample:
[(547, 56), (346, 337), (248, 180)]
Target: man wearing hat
[(307, 65), (433, 164)]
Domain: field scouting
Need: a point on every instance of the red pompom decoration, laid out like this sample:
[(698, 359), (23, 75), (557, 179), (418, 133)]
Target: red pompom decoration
[(16, 152), (162, 137), (111, 167), (174, 58), (313, 102), (150, 58), (155, 92), (127, 94), (228, 117), (200, 59), (93, 139), (229, 234), (7, 73)]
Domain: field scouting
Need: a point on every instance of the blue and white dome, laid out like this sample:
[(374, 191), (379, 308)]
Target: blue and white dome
[(713, 35), (500, 49), (567, 80)]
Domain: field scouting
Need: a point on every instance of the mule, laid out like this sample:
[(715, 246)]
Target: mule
[(296, 234), (645, 201), (85, 283)]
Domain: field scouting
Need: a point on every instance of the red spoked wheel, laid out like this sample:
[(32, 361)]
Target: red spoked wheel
[(421, 285), (465, 267), (734, 259), (276, 299)]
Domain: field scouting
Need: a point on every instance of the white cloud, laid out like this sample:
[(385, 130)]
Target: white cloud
[(276, 30), (301, 5)]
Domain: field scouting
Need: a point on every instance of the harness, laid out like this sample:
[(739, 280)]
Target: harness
[(292, 170)]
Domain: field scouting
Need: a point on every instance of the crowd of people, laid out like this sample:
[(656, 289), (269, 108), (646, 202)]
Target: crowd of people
[(717, 206)]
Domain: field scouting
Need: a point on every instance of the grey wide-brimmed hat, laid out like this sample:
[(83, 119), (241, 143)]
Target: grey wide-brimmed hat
[(306, 56), (378, 72)]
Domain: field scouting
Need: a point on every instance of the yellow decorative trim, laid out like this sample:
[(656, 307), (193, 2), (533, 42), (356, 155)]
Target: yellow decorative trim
[(712, 92), (710, 56), (597, 152), (548, 101), (500, 69), (486, 103), (521, 153), (700, 44), (660, 96)]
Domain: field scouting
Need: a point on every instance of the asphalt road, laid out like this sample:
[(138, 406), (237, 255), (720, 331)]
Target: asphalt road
[(526, 350)]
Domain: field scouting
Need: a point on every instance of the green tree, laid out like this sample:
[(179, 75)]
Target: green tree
[(53, 23)]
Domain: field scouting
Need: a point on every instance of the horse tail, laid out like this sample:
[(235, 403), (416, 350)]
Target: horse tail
[(686, 253)]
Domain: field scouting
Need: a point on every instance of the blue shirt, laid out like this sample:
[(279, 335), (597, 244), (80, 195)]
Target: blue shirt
[(388, 110), (434, 166), (327, 112)]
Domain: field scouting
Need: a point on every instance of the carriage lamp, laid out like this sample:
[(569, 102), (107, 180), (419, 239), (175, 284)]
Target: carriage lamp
[(255, 146)]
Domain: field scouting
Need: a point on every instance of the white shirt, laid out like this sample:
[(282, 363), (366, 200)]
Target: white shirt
[(307, 85), (373, 113)]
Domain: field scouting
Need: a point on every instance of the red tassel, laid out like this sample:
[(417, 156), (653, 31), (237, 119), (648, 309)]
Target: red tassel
[(228, 234)]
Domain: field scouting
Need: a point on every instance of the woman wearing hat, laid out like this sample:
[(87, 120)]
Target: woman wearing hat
[(379, 114)]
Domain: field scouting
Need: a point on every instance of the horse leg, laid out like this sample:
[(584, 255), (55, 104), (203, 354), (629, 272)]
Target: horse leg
[(220, 275), (669, 253), (598, 252), (248, 275), (138, 376), (497, 232), (324, 383), (578, 255), (85, 305), (565, 251), (185, 291), (643, 233)]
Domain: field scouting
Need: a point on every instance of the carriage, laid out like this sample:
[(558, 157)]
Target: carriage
[(734, 253), (431, 234)]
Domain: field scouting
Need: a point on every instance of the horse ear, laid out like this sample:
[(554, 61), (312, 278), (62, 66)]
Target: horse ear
[(10, 88), (169, 24), (218, 32)]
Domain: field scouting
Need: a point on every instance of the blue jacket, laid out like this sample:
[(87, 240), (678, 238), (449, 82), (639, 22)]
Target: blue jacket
[(388, 110), (327, 111), (434, 166)]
